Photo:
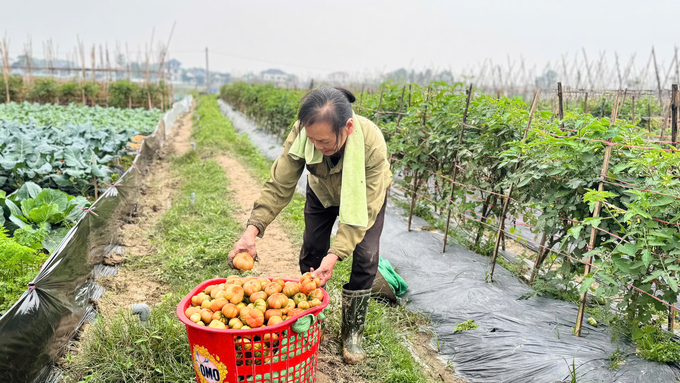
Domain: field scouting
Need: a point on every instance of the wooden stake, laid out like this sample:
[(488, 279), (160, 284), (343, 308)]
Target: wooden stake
[(560, 101), (401, 105), (409, 95), (596, 214), (632, 119), (455, 165), (4, 52), (674, 116), (658, 80), (539, 259), (377, 117), (413, 199), (415, 173), (649, 116), (665, 111), (506, 203), (96, 190), (585, 104), (207, 72)]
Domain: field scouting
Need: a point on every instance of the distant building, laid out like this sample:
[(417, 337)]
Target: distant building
[(274, 75), (175, 70)]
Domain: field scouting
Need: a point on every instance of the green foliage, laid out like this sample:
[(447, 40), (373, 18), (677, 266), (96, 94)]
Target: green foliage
[(44, 90), (69, 91), (40, 217), (120, 93), (121, 349), (64, 147), (273, 108), (616, 359), (140, 120), (465, 326), (18, 266), (30, 236), (656, 345), (556, 171)]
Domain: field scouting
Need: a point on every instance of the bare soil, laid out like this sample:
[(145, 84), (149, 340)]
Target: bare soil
[(131, 286), (278, 257)]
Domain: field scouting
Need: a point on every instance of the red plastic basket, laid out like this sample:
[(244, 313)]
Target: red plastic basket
[(272, 354)]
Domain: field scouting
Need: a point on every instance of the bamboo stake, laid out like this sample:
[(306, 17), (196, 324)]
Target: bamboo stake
[(560, 100), (92, 75), (4, 51), (674, 115), (596, 214), (585, 104), (455, 166), (377, 117), (658, 80), (632, 119), (96, 190), (539, 259), (665, 111), (401, 105), (413, 199), (415, 173), (649, 116), (506, 203)]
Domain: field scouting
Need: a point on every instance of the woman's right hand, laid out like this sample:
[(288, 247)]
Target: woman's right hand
[(246, 243)]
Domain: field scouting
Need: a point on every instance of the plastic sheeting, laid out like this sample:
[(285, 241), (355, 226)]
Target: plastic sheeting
[(517, 340), (34, 332)]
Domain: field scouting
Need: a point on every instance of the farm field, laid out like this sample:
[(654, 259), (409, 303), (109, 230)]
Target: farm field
[(224, 167), (620, 261), (54, 161), (606, 238)]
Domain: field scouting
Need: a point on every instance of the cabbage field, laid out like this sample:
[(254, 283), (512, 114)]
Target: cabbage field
[(53, 160), (600, 189)]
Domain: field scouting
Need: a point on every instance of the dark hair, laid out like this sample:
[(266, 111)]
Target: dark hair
[(330, 105)]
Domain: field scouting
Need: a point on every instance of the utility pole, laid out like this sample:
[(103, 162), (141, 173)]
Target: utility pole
[(207, 71)]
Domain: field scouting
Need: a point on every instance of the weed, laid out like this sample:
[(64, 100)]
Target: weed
[(465, 326)]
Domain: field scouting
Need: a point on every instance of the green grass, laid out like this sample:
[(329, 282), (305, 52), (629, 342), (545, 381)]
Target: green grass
[(192, 243), (389, 360), (218, 132)]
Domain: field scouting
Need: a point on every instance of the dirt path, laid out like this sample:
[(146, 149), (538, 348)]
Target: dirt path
[(278, 257), (130, 286)]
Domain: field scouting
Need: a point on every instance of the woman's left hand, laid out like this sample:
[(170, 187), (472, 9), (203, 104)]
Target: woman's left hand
[(325, 270)]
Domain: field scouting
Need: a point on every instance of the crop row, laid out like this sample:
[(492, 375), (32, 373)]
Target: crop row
[(50, 159), (556, 173), (121, 93)]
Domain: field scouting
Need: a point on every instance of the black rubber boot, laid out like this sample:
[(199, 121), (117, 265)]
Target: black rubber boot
[(354, 309)]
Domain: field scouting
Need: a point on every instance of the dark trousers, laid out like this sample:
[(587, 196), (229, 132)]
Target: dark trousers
[(317, 240)]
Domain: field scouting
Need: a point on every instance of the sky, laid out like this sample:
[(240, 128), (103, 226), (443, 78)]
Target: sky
[(314, 38)]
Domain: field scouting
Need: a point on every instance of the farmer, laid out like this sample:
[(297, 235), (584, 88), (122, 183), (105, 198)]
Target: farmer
[(349, 174)]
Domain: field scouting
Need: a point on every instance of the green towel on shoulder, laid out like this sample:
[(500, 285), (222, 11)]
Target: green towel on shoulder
[(303, 148), (353, 205)]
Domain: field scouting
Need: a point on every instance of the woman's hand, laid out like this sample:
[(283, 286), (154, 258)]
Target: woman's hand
[(246, 243), (325, 270)]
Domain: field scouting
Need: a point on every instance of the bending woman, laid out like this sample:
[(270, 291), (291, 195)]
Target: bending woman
[(349, 173)]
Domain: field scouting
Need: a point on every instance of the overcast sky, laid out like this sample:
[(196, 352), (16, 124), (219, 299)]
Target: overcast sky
[(315, 37)]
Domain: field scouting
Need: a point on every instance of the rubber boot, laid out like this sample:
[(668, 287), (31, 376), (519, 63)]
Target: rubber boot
[(354, 309)]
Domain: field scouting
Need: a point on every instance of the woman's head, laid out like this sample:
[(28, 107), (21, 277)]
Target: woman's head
[(326, 114)]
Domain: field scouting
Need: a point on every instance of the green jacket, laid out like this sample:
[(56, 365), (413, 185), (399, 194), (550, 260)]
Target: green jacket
[(325, 180)]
